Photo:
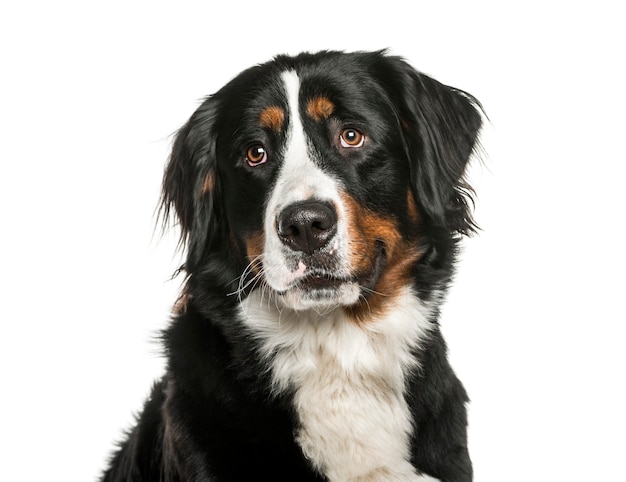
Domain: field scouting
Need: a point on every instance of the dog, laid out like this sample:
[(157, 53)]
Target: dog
[(321, 199)]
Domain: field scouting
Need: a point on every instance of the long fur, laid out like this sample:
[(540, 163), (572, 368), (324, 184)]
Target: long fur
[(313, 355)]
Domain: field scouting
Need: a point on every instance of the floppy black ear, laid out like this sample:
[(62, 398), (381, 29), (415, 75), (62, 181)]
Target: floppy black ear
[(441, 126), (190, 182)]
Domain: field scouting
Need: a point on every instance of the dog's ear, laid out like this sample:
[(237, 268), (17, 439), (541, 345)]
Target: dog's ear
[(441, 126), (190, 182)]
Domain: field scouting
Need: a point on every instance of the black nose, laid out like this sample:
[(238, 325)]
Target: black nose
[(307, 226)]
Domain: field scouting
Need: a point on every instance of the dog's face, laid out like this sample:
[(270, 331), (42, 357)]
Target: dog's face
[(320, 201), (324, 178)]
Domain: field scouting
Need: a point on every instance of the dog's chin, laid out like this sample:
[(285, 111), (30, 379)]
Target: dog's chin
[(320, 294)]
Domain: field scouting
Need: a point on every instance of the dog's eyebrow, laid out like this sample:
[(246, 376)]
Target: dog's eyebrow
[(272, 118), (320, 108)]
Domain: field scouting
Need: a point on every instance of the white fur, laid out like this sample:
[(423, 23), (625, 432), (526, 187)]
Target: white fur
[(300, 179), (349, 383)]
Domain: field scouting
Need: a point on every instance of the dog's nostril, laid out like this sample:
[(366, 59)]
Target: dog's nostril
[(307, 226), (289, 231)]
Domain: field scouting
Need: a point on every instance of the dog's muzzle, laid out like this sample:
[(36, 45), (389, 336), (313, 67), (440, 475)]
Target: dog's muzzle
[(306, 259)]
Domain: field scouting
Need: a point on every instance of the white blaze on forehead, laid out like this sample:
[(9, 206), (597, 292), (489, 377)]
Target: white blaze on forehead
[(300, 178)]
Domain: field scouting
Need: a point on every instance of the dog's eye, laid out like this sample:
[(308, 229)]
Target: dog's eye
[(256, 155), (351, 138)]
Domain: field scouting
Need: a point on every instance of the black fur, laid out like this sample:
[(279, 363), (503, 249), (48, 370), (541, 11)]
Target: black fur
[(212, 416)]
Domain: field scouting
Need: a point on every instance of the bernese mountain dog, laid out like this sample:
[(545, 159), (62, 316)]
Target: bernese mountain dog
[(321, 200)]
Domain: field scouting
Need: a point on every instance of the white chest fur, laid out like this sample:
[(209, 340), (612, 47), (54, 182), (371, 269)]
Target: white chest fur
[(349, 383)]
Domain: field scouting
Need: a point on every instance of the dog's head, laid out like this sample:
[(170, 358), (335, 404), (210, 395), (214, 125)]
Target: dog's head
[(324, 179)]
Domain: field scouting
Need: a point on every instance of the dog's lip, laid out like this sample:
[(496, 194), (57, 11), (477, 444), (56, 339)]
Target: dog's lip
[(319, 280), (368, 280)]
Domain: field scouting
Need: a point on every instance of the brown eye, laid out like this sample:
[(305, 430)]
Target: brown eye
[(256, 155), (351, 138)]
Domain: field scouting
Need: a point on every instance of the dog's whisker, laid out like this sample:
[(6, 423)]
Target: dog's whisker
[(375, 292), (369, 308), (244, 282)]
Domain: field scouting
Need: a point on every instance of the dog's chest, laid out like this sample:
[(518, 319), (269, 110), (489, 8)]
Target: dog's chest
[(352, 422), (348, 383)]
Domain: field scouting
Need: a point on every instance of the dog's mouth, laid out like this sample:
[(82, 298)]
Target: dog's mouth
[(369, 278), (323, 285), (320, 290), (319, 280)]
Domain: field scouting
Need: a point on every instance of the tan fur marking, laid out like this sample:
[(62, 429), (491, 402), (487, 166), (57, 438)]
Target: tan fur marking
[(209, 183), (365, 230), (412, 207), (320, 108), (255, 245), (180, 307), (272, 118)]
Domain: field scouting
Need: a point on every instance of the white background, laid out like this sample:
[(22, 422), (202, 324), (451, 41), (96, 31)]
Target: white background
[(89, 97)]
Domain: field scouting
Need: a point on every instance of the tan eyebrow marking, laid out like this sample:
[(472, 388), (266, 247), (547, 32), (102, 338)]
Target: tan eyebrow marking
[(272, 118), (320, 108)]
